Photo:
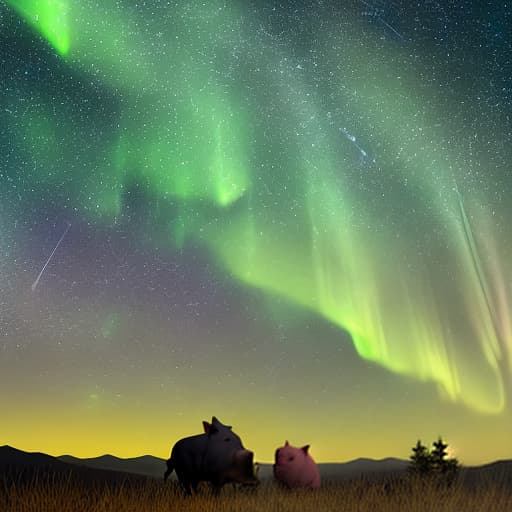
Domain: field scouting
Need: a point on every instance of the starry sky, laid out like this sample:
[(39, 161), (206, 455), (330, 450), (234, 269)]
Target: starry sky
[(292, 215)]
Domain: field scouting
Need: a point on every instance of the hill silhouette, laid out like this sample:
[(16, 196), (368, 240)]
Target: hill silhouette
[(18, 464), (153, 466), (146, 465), (11, 457), (496, 473)]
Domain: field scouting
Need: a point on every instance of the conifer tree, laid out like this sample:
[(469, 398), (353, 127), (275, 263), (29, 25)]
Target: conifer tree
[(434, 463), (448, 468), (421, 460), (439, 455)]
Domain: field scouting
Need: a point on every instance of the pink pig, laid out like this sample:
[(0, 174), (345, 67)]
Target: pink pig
[(294, 467)]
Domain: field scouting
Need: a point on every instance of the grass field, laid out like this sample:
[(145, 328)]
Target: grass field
[(58, 493)]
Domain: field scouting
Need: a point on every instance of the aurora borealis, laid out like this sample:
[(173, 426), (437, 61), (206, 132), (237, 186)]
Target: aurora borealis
[(293, 216)]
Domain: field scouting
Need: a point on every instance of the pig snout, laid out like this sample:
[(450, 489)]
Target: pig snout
[(244, 467)]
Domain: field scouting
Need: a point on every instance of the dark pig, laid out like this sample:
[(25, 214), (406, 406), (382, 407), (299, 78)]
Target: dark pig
[(216, 456)]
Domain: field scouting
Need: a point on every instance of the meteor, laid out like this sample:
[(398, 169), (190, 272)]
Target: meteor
[(36, 282)]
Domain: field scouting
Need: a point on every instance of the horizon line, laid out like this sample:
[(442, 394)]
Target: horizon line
[(505, 459)]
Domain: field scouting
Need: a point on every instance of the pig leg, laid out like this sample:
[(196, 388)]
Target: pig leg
[(187, 487), (216, 489), (169, 470)]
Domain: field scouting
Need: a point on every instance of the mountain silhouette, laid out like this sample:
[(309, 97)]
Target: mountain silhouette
[(19, 465), (146, 465), (108, 468), (153, 466), (362, 467), (11, 458), (495, 473)]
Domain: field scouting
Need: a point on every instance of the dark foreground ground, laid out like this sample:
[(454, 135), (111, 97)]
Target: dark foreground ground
[(53, 491), (37, 482)]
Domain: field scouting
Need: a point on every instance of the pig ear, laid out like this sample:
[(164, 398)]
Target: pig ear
[(206, 427), (305, 448), (217, 423), (212, 429)]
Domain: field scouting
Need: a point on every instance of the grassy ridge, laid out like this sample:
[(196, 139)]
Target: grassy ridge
[(58, 493)]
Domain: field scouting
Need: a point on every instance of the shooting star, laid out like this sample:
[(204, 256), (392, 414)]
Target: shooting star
[(376, 13), (36, 282), (383, 21), (352, 138)]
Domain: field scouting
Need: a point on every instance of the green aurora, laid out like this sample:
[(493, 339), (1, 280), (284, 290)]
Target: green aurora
[(356, 207)]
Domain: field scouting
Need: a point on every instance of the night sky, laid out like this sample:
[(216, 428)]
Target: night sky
[(295, 216)]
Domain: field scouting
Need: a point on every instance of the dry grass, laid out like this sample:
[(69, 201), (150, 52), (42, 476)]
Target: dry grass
[(47, 493)]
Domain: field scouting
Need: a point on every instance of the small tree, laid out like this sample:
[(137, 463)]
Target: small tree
[(439, 455), (433, 463), (421, 460), (448, 468)]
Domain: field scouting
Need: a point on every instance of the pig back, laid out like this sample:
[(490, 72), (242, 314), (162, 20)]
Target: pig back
[(188, 456)]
